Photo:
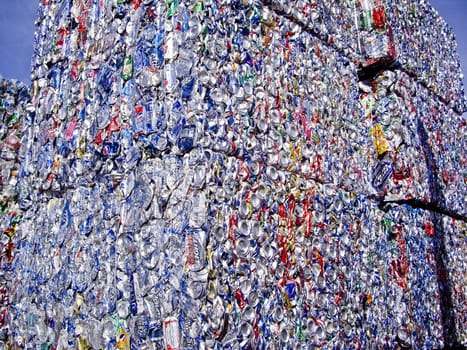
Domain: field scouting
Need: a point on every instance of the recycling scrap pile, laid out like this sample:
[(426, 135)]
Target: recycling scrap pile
[(203, 174)]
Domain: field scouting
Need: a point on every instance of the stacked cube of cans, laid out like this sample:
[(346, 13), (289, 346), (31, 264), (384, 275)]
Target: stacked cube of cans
[(236, 174)]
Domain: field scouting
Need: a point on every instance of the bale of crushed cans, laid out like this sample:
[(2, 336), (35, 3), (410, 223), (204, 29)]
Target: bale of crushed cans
[(436, 65), (14, 99), (418, 153), (236, 175)]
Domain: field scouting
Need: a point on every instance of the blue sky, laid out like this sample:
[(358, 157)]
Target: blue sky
[(17, 32), (16, 37)]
